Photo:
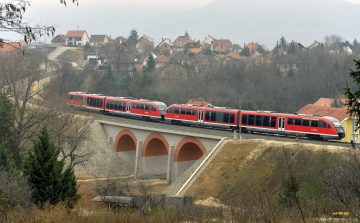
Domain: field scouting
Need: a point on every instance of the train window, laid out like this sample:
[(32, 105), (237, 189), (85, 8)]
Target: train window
[(207, 116), (213, 116), (266, 121), (314, 123), (226, 118), (232, 118), (251, 120), (305, 122), (297, 121), (258, 120), (272, 121), (291, 121), (183, 111), (177, 110), (244, 119), (109, 104), (323, 124), (219, 116), (190, 112), (94, 102)]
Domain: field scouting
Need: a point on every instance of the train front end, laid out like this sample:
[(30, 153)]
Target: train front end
[(338, 127)]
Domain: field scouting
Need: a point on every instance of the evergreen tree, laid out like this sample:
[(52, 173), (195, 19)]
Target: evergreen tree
[(133, 38), (355, 46), (150, 64), (352, 103), (283, 43), (245, 52), (48, 182), (7, 133), (276, 48)]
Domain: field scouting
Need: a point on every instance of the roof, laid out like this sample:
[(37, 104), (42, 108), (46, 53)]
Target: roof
[(179, 56), (198, 101), (60, 36), (252, 46), (224, 42), (162, 59), (147, 41), (97, 38), (232, 55), (311, 109), (10, 47), (329, 101), (189, 41), (75, 33), (194, 50)]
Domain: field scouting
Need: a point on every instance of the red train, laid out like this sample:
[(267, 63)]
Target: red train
[(126, 106), (313, 127)]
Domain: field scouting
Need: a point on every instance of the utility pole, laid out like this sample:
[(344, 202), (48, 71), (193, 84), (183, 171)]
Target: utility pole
[(240, 136)]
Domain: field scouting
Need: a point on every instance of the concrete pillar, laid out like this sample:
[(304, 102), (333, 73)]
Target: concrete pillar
[(138, 155), (170, 164)]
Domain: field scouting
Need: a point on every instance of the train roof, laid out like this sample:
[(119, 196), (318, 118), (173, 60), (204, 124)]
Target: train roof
[(199, 106)]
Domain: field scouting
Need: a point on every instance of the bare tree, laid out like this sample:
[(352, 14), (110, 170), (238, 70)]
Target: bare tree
[(12, 20)]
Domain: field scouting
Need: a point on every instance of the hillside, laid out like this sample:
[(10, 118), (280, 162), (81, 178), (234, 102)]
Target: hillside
[(245, 173)]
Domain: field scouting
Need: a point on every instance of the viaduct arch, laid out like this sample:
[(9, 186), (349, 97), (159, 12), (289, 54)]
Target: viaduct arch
[(189, 148)]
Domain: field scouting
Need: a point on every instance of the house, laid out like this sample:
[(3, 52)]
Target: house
[(180, 58), (173, 70), (193, 51), (98, 40), (221, 45), (11, 47), (208, 40), (76, 38), (252, 47), (180, 40), (161, 60), (236, 48), (145, 44), (259, 58), (340, 114), (329, 102), (205, 63), (230, 57), (115, 43), (190, 44), (127, 62), (166, 47), (59, 40)]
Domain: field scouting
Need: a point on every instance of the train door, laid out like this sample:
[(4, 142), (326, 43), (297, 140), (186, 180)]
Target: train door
[(200, 116), (84, 104), (281, 126), (128, 107)]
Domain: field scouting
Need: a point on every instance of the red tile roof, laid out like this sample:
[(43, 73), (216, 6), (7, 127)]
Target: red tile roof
[(189, 41), (252, 47), (194, 50), (75, 33), (232, 55), (311, 109), (10, 47), (329, 101), (196, 101)]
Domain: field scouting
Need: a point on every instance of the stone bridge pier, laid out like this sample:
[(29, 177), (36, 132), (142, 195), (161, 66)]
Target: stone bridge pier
[(158, 152)]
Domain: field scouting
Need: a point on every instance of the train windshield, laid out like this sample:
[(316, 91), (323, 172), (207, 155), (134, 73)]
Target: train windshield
[(161, 106)]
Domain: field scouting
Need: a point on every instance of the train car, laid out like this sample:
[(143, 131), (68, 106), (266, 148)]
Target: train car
[(140, 108), (125, 106), (310, 126), (218, 117), (87, 101)]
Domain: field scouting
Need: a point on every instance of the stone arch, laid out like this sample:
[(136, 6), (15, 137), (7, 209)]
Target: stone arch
[(189, 148), (125, 141), (155, 145)]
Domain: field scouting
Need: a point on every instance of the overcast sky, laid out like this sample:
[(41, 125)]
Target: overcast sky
[(118, 17)]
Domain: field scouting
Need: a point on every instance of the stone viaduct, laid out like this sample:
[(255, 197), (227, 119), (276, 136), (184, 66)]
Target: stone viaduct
[(158, 152)]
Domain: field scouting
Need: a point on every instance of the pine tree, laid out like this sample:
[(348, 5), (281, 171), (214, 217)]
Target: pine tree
[(133, 38), (352, 103), (49, 184), (6, 131), (150, 64)]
